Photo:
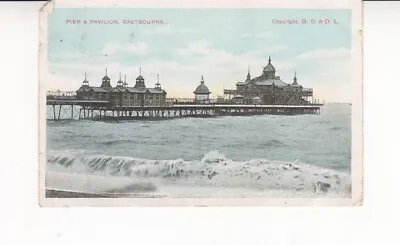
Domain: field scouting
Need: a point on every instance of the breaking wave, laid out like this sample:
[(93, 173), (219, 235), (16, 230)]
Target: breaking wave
[(214, 169)]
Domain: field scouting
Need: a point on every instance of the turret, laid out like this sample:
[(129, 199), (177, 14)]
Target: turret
[(105, 81), (85, 83), (248, 74), (294, 79), (120, 82), (125, 85), (140, 80), (158, 85)]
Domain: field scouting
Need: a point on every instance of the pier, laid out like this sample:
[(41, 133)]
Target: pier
[(266, 94), (64, 108)]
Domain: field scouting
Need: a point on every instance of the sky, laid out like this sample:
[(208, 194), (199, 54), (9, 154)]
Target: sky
[(219, 44)]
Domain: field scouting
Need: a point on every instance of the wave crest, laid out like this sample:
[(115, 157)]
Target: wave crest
[(213, 169)]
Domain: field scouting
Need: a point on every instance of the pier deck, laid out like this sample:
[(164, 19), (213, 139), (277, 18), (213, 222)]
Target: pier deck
[(102, 110)]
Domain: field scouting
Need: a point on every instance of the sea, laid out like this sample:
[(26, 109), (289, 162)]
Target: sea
[(274, 156)]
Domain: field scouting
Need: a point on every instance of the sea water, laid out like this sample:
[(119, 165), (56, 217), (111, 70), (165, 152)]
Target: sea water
[(241, 156)]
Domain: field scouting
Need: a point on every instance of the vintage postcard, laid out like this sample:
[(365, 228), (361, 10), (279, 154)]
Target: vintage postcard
[(208, 103)]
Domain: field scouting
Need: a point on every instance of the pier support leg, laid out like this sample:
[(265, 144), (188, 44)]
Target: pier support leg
[(72, 112), (54, 112), (59, 112)]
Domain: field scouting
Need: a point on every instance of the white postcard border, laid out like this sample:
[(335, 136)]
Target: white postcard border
[(356, 116)]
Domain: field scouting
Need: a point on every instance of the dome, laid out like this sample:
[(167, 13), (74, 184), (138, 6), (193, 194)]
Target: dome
[(202, 89), (140, 77), (269, 67)]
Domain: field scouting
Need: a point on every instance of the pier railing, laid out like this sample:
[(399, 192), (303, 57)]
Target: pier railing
[(59, 95)]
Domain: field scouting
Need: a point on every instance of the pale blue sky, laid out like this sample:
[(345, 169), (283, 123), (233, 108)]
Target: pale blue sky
[(217, 43)]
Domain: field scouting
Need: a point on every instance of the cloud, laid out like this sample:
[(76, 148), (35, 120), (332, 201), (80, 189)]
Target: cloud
[(87, 60), (203, 48), (326, 54), (269, 49), (81, 57), (204, 55), (196, 48), (330, 79), (138, 48), (221, 68)]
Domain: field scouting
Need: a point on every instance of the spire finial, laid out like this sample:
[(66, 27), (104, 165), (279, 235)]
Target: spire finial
[(125, 78), (269, 59), (106, 71), (295, 79), (202, 79), (85, 75), (140, 71), (158, 85), (119, 75)]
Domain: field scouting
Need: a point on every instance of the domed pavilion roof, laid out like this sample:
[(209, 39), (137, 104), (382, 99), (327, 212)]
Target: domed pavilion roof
[(202, 89), (269, 67)]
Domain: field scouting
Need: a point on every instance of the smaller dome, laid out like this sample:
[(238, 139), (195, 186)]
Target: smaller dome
[(202, 89), (140, 77)]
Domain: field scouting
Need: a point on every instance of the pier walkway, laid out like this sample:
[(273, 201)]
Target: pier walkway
[(62, 109)]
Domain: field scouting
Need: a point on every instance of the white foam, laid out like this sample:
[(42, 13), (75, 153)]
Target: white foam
[(214, 172), (95, 184)]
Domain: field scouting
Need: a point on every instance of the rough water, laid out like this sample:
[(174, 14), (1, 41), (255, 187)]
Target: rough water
[(243, 156)]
